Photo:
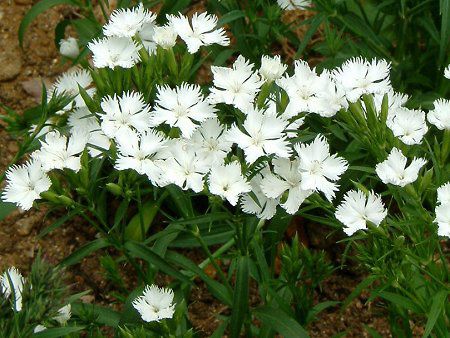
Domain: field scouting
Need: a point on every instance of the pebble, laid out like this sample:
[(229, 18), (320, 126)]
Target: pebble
[(10, 65), (25, 225)]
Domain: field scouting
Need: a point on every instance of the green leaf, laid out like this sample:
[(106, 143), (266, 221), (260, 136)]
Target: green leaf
[(280, 322), (60, 221), (240, 299), (372, 332), (357, 291), (58, 331), (445, 30), (37, 9), (230, 17), (142, 251), (103, 315), (400, 301), (315, 24), (84, 251), (436, 308), (217, 290), (6, 208)]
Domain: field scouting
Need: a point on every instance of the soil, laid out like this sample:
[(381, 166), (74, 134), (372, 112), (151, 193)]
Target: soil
[(21, 73)]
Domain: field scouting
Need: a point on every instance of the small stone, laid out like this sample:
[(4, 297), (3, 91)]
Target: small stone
[(10, 65), (87, 299), (25, 225), (34, 87)]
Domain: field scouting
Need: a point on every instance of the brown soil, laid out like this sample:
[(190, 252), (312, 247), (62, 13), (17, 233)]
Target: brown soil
[(20, 74)]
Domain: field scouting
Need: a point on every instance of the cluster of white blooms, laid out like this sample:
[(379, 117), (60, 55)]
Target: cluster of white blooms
[(130, 30), (250, 157), (155, 304), (443, 210)]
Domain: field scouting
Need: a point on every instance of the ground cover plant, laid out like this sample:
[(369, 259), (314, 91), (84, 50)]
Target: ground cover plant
[(161, 161)]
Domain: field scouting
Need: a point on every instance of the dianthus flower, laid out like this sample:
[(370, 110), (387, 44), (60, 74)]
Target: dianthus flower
[(155, 304), (113, 51)]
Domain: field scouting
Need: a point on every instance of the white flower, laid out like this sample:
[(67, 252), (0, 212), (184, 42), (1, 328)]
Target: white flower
[(69, 48), (393, 170), (69, 83), (443, 210), (202, 33), (358, 76), (285, 179), (357, 209), (290, 5), (210, 141), (443, 194), (155, 304), (329, 97), (140, 152), (146, 35), (183, 107), (395, 100), (25, 183), (165, 36), (447, 72), (408, 125), (81, 120), (184, 167), (39, 328), (300, 88), (319, 170), (58, 152), (263, 134), (227, 181), (443, 219), (440, 115), (126, 22), (113, 51), (237, 86), (64, 314), (256, 202), (272, 68), (123, 113), (12, 283)]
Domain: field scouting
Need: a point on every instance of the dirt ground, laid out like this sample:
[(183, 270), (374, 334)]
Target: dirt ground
[(21, 72)]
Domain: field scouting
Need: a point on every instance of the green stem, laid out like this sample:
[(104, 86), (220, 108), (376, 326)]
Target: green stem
[(212, 259)]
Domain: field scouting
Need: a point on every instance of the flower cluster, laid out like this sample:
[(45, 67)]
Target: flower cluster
[(130, 30), (239, 138)]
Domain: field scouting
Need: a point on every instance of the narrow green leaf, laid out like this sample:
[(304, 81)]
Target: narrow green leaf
[(58, 331), (37, 9), (6, 208), (84, 251), (280, 322), (60, 221), (230, 17), (436, 308), (400, 301), (103, 315), (144, 252), (445, 30), (217, 290), (240, 300), (357, 291), (316, 22)]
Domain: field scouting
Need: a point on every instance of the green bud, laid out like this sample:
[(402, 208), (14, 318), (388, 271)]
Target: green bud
[(50, 196), (114, 189), (65, 200)]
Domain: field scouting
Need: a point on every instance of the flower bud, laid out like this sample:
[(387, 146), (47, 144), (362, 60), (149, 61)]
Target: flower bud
[(69, 48), (115, 189)]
